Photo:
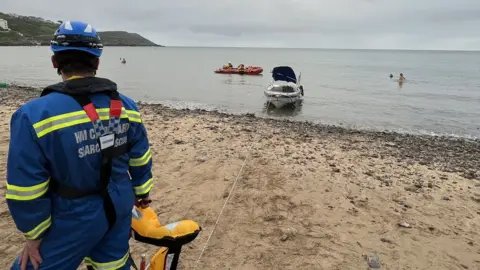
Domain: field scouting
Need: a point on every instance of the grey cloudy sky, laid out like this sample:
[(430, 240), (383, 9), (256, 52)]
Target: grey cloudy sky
[(377, 24)]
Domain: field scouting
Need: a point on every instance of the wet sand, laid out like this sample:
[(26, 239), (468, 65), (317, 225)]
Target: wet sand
[(308, 197)]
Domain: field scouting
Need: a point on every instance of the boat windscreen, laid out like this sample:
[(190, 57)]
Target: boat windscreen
[(284, 73)]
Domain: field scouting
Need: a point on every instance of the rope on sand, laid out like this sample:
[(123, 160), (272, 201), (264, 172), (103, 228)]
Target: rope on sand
[(229, 195), (223, 207)]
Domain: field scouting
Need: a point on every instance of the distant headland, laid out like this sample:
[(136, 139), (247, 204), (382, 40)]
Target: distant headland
[(18, 30)]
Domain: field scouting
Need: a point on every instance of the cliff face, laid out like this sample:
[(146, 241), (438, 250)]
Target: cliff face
[(29, 30), (122, 38)]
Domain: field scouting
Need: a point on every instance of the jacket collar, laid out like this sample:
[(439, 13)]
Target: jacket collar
[(81, 86)]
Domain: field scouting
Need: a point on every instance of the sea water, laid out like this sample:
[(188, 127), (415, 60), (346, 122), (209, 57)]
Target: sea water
[(351, 88)]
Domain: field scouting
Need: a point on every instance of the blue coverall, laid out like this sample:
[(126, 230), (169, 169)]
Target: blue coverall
[(52, 138)]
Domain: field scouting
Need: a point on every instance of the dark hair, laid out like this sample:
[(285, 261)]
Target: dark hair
[(74, 61)]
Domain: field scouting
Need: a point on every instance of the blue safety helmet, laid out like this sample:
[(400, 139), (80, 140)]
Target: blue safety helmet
[(76, 35)]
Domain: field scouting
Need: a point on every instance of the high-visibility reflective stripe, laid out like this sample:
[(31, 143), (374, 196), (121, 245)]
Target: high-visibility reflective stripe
[(132, 112), (78, 117), (134, 116), (26, 193), (37, 231), (59, 124), (108, 265), (145, 188), (137, 162)]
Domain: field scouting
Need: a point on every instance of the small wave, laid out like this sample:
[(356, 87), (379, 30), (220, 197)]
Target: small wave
[(179, 105), (402, 131)]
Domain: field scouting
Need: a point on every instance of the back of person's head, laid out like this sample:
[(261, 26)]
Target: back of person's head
[(77, 48), (76, 62)]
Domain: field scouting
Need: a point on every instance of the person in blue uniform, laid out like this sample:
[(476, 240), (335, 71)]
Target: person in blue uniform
[(79, 159)]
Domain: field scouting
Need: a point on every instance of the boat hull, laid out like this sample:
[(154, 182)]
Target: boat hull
[(280, 95), (280, 102)]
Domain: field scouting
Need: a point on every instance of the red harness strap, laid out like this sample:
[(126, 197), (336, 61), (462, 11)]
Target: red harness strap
[(91, 111), (115, 108), (115, 114)]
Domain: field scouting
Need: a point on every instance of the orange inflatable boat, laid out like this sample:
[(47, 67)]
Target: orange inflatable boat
[(250, 70)]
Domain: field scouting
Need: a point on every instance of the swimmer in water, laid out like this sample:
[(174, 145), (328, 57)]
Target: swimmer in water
[(391, 76), (401, 80)]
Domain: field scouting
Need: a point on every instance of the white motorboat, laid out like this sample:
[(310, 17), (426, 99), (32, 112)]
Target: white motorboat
[(285, 88)]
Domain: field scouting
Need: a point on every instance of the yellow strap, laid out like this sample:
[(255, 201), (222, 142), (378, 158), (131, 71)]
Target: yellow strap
[(75, 77)]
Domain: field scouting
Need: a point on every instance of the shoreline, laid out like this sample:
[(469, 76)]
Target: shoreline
[(224, 113), (305, 196), (447, 153)]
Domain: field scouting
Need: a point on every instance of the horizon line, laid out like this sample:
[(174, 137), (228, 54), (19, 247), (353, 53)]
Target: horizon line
[(317, 48)]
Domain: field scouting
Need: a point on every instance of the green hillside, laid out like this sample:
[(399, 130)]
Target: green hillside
[(29, 30)]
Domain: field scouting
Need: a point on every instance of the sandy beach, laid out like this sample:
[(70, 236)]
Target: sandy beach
[(308, 197)]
